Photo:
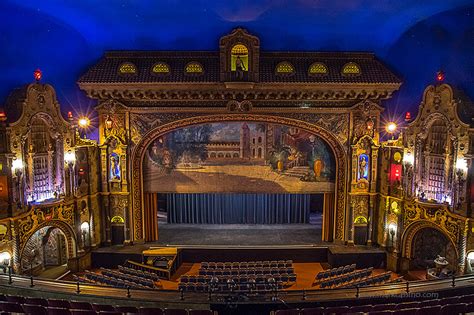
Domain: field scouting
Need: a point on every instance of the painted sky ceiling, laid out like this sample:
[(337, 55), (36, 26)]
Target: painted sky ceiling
[(64, 38)]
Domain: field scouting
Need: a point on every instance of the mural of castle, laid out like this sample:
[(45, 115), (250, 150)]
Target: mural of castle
[(275, 156)]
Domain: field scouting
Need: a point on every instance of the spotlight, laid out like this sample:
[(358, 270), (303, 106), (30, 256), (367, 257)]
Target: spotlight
[(84, 122), (391, 127)]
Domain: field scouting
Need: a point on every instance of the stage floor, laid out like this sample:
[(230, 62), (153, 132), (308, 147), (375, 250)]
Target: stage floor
[(240, 234)]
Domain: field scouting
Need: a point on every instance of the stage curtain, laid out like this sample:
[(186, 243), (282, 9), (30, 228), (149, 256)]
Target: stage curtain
[(238, 208), (151, 217), (328, 217)]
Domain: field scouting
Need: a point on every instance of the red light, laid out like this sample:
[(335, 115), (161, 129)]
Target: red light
[(440, 76), (407, 116), (69, 115), (37, 74)]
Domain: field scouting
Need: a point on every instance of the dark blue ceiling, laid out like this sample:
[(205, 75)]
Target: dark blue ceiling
[(63, 38)]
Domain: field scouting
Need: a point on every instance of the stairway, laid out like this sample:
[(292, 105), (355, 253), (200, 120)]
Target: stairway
[(297, 171)]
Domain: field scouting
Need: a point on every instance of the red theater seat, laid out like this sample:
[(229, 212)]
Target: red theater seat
[(150, 311), (34, 309), (80, 305), (103, 308), (312, 311), (58, 311), (11, 307), (288, 312), (59, 303), (171, 311), (200, 312), (83, 312)]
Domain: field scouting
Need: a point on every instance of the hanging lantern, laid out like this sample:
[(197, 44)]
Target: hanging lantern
[(69, 116), (37, 74)]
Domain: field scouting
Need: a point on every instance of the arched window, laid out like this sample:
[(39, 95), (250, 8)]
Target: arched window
[(194, 68), (285, 68), (351, 68), (160, 68), (127, 68), (239, 58), (318, 68)]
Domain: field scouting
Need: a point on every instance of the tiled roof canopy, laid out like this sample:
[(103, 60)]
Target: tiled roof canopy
[(107, 69)]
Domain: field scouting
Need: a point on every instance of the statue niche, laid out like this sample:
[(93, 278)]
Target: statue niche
[(239, 62)]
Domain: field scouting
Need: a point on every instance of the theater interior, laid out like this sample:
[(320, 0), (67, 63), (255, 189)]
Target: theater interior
[(236, 181)]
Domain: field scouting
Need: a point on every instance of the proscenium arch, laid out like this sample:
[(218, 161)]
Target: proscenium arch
[(63, 227), (137, 225), (411, 231)]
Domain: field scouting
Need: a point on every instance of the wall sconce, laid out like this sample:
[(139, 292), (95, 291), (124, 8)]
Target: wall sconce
[(70, 158), (5, 258), (85, 232), (408, 158), (17, 167), (392, 229)]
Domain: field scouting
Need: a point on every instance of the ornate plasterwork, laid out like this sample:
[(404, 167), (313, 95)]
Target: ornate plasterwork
[(377, 92), (142, 145), (418, 216)]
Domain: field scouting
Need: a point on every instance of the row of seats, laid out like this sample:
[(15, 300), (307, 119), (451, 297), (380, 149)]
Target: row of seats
[(247, 264), (335, 272), (346, 278), (446, 306), (139, 273), (127, 277), (374, 280), (237, 287), (283, 278), (246, 272), (92, 277), (11, 304)]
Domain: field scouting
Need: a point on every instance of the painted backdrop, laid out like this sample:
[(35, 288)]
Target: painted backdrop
[(242, 157)]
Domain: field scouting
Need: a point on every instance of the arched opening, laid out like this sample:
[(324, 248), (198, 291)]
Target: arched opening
[(239, 61), (291, 176), (427, 244), (46, 253)]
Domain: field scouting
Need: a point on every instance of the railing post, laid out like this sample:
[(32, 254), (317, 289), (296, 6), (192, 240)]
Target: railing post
[(357, 291), (31, 281), (304, 295), (182, 294), (454, 281), (78, 288), (10, 280), (129, 295), (408, 287)]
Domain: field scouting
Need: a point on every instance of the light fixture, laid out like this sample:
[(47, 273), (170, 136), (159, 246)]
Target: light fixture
[(391, 127), (461, 165), (108, 122), (69, 157), (84, 226), (392, 227), (83, 122), (470, 256), (408, 158), (17, 165), (5, 258)]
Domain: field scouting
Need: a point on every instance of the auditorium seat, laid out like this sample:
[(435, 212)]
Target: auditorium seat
[(58, 303), (80, 305), (287, 312), (450, 309), (383, 307), (103, 307), (83, 312), (200, 312), (150, 311), (10, 307), (58, 311), (34, 309), (429, 310), (127, 309), (36, 301), (15, 299), (407, 305), (312, 311), (171, 311)]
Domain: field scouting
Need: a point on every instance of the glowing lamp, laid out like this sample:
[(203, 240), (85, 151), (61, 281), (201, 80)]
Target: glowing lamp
[(392, 227), (84, 122), (470, 256), (17, 165), (408, 158), (108, 123), (391, 127), (370, 124), (84, 226), (407, 116), (461, 165), (37, 74), (69, 115), (440, 76), (5, 257), (69, 157)]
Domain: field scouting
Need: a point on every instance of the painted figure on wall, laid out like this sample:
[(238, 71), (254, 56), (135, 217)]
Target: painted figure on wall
[(239, 156), (114, 167)]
